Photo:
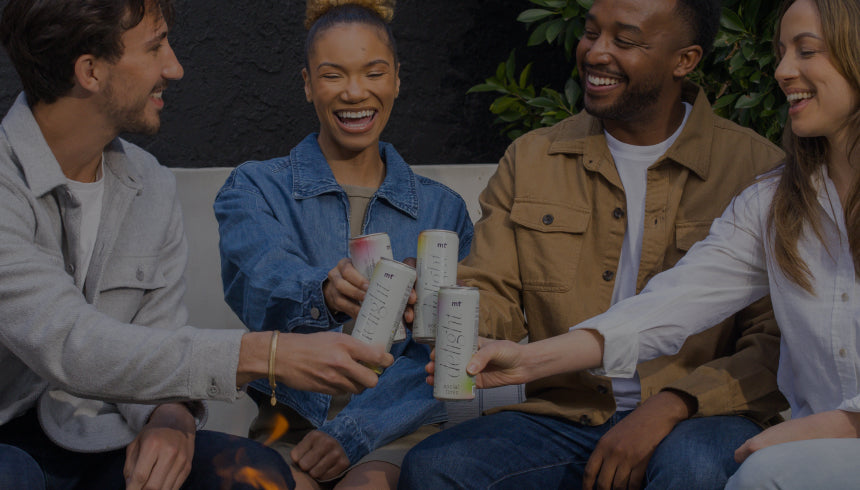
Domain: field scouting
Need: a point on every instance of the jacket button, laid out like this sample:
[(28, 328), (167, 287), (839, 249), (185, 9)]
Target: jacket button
[(547, 219), (602, 389), (70, 268), (585, 420), (212, 390), (608, 275), (315, 313), (618, 213), (139, 274)]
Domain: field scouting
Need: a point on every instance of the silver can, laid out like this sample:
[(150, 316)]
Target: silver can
[(365, 251), (383, 306), (438, 251), (456, 342)]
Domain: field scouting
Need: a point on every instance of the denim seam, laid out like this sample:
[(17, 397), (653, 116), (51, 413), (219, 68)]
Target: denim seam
[(526, 471)]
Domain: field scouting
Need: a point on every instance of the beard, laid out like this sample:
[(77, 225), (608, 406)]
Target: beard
[(129, 116), (631, 104)]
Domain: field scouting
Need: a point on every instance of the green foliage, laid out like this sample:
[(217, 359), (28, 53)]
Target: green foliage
[(737, 75)]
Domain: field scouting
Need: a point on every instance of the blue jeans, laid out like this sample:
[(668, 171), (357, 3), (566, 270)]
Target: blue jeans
[(29, 460), (517, 450)]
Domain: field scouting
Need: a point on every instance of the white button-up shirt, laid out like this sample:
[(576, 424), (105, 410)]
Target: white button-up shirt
[(819, 365)]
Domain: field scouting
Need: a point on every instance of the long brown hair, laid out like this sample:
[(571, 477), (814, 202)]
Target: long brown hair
[(795, 199)]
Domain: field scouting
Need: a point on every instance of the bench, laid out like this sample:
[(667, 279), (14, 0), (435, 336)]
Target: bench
[(196, 189)]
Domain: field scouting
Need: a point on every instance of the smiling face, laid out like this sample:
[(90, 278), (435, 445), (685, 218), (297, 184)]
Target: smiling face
[(820, 98), (132, 95), (352, 81), (627, 58)]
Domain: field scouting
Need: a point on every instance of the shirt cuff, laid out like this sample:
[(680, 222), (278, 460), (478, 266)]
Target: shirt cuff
[(620, 349)]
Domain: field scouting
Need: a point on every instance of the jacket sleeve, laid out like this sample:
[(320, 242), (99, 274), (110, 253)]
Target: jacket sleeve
[(493, 263), (266, 274), (49, 326), (164, 308), (399, 404)]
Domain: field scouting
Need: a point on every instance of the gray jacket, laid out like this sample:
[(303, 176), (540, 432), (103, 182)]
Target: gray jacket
[(67, 342)]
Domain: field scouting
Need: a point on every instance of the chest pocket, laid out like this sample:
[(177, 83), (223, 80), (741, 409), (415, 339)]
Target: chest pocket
[(125, 281), (549, 243), (687, 233)]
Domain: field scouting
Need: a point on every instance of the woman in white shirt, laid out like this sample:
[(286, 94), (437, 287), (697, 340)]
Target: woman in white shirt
[(795, 234)]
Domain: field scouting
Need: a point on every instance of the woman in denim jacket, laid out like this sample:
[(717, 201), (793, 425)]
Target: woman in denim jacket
[(285, 225)]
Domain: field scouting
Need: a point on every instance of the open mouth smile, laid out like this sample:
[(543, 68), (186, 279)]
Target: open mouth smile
[(356, 121)]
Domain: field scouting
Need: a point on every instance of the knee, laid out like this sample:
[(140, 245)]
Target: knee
[(19, 470), (759, 471), (434, 461)]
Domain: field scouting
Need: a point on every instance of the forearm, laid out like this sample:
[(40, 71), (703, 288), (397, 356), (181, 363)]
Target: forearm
[(253, 357), (576, 350), (832, 424)]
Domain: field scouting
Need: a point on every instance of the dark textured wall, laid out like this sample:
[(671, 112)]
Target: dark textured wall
[(242, 96)]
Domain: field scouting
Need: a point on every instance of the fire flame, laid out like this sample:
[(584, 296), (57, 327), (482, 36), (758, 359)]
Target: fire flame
[(280, 426)]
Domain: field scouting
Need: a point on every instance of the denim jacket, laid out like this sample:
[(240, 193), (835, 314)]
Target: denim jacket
[(284, 223)]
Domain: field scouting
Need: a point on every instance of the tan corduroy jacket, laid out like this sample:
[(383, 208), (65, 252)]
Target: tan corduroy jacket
[(546, 250)]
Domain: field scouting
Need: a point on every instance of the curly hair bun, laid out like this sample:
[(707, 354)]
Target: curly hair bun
[(318, 8)]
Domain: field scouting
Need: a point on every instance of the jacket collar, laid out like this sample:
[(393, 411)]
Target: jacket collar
[(40, 168), (689, 150), (312, 176)]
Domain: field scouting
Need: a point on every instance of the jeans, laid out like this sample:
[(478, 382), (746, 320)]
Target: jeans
[(19, 470), (29, 460), (816, 463), (517, 450)]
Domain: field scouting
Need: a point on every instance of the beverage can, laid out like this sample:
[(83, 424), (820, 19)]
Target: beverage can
[(383, 305), (438, 251), (365, 251), (456, 342)]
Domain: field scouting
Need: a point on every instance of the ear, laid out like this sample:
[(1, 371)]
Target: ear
[(89, 73), (397, 81), (688, 59), (307, 78)]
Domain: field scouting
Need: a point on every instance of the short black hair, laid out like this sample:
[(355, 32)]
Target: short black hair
[(703, 19), (44, 38), (348, 14)]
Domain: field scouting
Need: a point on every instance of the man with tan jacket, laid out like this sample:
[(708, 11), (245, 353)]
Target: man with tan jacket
[(582, 215)]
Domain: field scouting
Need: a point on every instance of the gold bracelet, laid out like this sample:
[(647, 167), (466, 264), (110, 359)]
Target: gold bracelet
[(273, 351)]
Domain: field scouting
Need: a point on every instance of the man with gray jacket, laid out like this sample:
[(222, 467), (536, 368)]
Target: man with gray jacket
[(98, 368)]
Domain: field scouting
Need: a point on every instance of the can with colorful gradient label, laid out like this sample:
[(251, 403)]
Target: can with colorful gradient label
[(438, 251), (384, 303), (456, 342), (365, 251)]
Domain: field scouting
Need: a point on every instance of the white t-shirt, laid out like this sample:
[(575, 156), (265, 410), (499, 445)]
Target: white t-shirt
[(90, 195), (632, 163)]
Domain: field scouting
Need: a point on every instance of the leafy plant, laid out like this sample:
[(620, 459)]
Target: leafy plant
[(737, 75)]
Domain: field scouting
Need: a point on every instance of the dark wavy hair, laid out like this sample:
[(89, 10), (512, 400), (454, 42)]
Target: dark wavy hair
[(44, 38)]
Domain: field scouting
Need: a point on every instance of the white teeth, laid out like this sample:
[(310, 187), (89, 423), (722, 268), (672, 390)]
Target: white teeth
[(355, 115), (602, 81), (794, 97), (157, 95)]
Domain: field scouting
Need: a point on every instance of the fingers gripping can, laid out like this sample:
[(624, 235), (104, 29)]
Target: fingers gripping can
[(438, 251), (456, 342), (365, 251), (383, 304)]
